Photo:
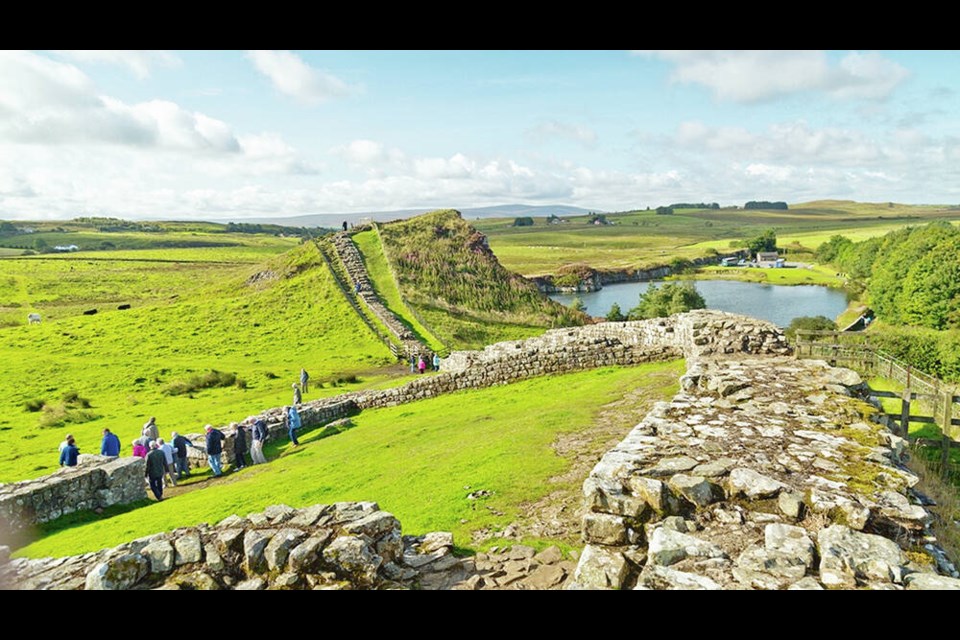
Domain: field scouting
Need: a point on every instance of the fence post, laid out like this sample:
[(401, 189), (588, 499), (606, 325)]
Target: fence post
[(945, 443), (909, 368), (905, 413), (836, 346)]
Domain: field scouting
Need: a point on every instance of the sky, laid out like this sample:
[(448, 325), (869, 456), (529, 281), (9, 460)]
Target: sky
[(240, 134)]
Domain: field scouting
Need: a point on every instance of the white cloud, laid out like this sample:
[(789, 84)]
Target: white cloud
[(361, 152), (294, 77), (755, 76), (139, 63), (555, 130)]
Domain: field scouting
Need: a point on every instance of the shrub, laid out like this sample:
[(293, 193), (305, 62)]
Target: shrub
[(809, 323), (615, 314), (34, 405), (659, 302), (208, 380)]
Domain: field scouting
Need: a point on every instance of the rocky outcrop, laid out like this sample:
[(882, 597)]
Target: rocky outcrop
[(97, 482), (762, 473)]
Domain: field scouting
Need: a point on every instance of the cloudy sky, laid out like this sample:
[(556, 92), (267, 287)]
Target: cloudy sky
[(235, 134)]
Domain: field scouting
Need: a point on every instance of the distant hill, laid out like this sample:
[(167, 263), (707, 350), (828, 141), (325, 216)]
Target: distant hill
[(496, 211)]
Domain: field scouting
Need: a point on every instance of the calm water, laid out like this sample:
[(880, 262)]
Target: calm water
[(777, 303)]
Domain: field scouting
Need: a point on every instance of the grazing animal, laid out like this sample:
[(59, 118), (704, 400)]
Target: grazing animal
[(33, 318), (90, 312), (123, 307)]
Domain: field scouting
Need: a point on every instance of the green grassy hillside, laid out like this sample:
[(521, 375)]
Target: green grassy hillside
[(189, 319), (419, 461)]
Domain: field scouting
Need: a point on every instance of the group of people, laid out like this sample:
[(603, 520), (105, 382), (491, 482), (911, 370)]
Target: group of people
[(168, 462), (418, 363)]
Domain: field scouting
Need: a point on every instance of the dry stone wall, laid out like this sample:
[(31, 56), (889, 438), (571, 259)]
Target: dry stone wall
[(762, 473), (96, 482)]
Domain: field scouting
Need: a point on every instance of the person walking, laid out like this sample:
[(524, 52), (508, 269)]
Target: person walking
[(139, 450), (239, 446), (70, 453), (110, 445), (150, 429), (168, 456), (436, 361), (291, 420), (413, 363), (66, 441), (214, 445), (260, 435), (344, 225), (180, 445), (421, 365), (297, 398), (304, 380), (155, 467)]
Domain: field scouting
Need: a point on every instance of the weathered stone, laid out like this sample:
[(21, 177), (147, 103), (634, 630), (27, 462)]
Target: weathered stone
[(255, 543), (374, 525), (287, 580), (896, 506), (198, 580), (232, 521), (436, 540), (160, 555), (601, 528), (550, 555), (792, 542), (931, 582), (667, 547), (308, 516), (521, 552), (214, 559), (656, 495), (714, 468), (118, 573), (417, 560), (847, 556), (354, 557), (279, 513), (677, 523), (306, 556), (671, 466), (599, 568), (791, 505), (696, 489), (851, 514), (805, 584), (189, 548), (278, 549), (253, 584), (545, 577), (667, 579), (753, 485), (230, 541)]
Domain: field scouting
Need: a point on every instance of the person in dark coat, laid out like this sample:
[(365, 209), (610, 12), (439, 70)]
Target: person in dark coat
[(304, 380), (297, 398), (239, 446), (155, 468), (180, 445), (260, 436), (70, 453), (110, 445), (215, 440)]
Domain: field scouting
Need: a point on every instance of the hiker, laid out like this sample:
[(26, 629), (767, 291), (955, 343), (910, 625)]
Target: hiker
[(150, 429), (215, 440), (155, 467), (357, 288), (344, 225), (291, 420), (436, 361), (304, 380), (110, 445), (66, 441), (180, 445), (297, 397), (421, 365), (413, 363), (70, 453), (139, 450), (260, 435), (239, 446), (168, 456)]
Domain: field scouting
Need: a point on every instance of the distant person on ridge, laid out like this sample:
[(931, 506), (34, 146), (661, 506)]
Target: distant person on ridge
[(168, 456), (139, 450), (344, 225), (66, 441), (150, 429), (304, 380), (70, 453), (297, 397), (260, 435), (436, 361), (413, 363), (215, 440), (291, 419), (239, 446), (110, 445), (421, 365), (156, 464), (180, 445)]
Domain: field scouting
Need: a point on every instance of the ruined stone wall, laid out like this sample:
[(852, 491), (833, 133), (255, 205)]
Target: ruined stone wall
[(762, 473), (96, 482)]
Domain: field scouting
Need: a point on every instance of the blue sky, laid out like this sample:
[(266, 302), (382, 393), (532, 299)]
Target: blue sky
[(235, 134)]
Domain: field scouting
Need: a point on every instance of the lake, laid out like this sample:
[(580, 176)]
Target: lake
[(778, 304)]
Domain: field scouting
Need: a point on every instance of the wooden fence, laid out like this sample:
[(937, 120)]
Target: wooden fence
[(937, 399)]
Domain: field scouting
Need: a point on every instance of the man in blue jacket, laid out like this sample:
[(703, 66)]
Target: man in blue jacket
[(292, 419), (69, 454), (110, 445), (215, 440)]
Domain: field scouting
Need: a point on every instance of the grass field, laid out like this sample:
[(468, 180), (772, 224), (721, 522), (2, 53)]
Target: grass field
[(419, 461), (368, 242), (814, 275), (190, 319), (642, 239)]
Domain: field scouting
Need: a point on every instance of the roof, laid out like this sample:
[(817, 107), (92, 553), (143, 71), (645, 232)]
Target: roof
[(767, 256)]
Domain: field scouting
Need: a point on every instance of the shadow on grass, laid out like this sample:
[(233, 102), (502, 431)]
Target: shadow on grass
[(79, 518)]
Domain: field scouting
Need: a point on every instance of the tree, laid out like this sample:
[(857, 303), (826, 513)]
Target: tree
[(809, 323), (766, 241), (40, 245), (666, 300), (664, 211), (577, 305), (765, 204), (523, 221), (615, 315)]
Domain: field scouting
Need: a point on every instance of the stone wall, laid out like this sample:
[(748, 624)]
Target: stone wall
[(762, 473), (97, 482)]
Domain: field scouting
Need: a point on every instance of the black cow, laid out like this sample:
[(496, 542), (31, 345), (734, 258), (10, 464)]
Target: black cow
[(123, 307), (90, 312)]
